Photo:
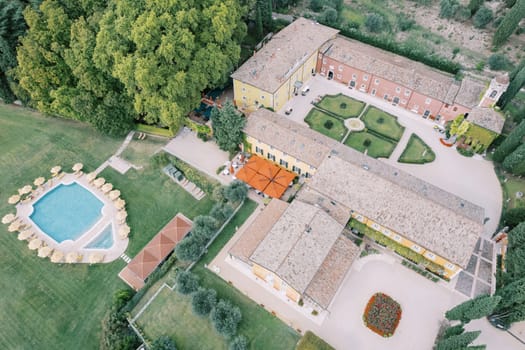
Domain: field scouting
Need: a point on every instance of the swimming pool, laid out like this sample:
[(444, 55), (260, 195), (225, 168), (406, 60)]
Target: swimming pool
[(104, 240), (67, 212)]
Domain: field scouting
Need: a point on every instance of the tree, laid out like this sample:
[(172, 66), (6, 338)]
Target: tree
[(236, 191), (374, 23), (454, 125), (204, 225), (166, 53), (329, 16), (509, 23), (316, 5), (515, 262), (227, 124), (225, 318), (515, 162), (259, 29), (203, 301), (448, 8), (163, 343), (474, 5), (512, 305), (473, 309), (264, 7), (516, 83), (238, 343), (221, 211), (517, 234), (513, 217), (187, 282), (453, 330), (456, 342), (190, 249), (497, 61), (482, 17), (116, 333), (510, 143)]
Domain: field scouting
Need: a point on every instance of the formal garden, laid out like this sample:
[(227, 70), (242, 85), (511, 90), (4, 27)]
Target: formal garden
[(374, 145), (341, 105), (417, 152), (382, 314), (326, 124)]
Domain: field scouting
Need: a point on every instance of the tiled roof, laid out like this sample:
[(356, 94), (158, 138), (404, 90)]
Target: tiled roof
[(470, 92), (487, 118), (269, 68), (435, 219), (296, 140)]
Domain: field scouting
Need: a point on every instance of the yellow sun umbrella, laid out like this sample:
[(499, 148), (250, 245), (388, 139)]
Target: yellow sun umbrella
[(13, 199), (22, 236), (15, 226), (107, 187), (120, 203), (122, 215), (77, 167), (114, 194), (123, 231), (57, 256), (73, 257), (44, 252), (99, 182), (34, 244), (39, 181), (91, 176), (96, 258), (56, 169), (25, 190), (8, 218)]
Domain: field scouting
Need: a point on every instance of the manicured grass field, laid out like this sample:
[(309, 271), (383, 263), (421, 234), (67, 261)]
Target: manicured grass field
[(139, 152), (379, 147), (50, 306), (417, 152), (171, 314), (342, 105), (513, 185), (310, 341), (317, 120), (383, 123)]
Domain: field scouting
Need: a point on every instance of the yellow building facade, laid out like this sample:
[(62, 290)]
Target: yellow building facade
[(279, 157), (450, 270), (276, 282)]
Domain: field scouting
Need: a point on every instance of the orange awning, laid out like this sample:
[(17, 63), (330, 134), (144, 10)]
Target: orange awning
[(269, 170), (245, 174), (255, 162), (284, 177), (259, 182), (274, 190)]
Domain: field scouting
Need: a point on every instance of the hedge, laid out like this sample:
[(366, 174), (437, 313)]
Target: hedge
[(154, 130)]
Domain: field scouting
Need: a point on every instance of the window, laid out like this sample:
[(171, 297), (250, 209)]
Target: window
[(307, 174), (262, 97), (339, 76), (271, 156), (375, 226), (283, 163), (376, 82), (416, 107), (430, 255), (354, 76), (363, 87), (426, 114), (427, 101), (373, 92), (397, 238), (385, 97), (296, 169), (395, 101), (365, 77), (257, 149), (386, 232), (416, 248), (407, 92), (340, 68), (244, 97), (243, 89), (256, 102), (450, 266), (403, 102), (352, 84), (398, 89), (493, 94)]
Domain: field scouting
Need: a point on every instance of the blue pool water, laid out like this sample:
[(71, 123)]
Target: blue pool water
[(104, 240), (67, 212)]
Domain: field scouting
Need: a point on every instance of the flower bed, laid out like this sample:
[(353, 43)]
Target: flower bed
[(382, 314)]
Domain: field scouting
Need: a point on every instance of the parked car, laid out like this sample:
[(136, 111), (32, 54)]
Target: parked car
[(305, 90), (288, 111)]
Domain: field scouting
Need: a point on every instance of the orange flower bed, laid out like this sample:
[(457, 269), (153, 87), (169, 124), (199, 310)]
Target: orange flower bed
[(382, 314), (444, 143)]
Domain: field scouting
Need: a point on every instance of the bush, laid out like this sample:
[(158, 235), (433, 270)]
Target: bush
[(367, 142), (204, 225), (482, 17), (221, 211), (405, 23), (448, 8), (190, 249), (239, 343), (329, 15), (513, 217), (163, 343), (225, 318), (116, 333), (203, 301), (328, 124), (187, 282), (203, 136), (343, 105), (316, 5), (236, 191), (497, 61), (380, 120), (205, 183), (515, 162), (465, 152), (374, 23)]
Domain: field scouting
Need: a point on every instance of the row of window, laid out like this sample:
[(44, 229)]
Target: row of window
[(282, 162)]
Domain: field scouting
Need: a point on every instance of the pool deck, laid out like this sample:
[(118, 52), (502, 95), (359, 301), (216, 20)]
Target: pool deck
[(109, 212)]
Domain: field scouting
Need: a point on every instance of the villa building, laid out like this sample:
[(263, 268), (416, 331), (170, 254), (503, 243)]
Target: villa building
[(278, 71)]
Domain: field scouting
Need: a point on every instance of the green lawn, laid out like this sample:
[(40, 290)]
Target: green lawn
[(383, 123), (417, 152), (514, 184), (139, 152), (48, 306), (342, 105), (171, 314), (310, 341), (379, 147), (317, 120)]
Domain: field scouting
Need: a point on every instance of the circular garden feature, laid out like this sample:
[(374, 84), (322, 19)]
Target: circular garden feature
[(354, 124), (382, 315)]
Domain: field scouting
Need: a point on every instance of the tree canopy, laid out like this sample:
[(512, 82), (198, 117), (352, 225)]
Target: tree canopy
[(166, 53), (473, 309), (203, 301), (187, 282), (228, 126), (163, 343), (225, 318)]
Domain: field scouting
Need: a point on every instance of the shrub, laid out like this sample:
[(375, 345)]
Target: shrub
[(380, 120), (367, 142), (448, 8), (316, 5), (382, 314), (235, 192), (465, 151), (374, 23), (225, 318), (220, 169), (190, 249), (163, 343), (405, 23), (480, 65), (515, 162), (329, 15), (497, 61), (204, 225), (513, 217), (203, 136), (328, 124), (187, 282), (221, 211), (343, 105), (239, 343), (482, 17), (462, 14), (203, 301)]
